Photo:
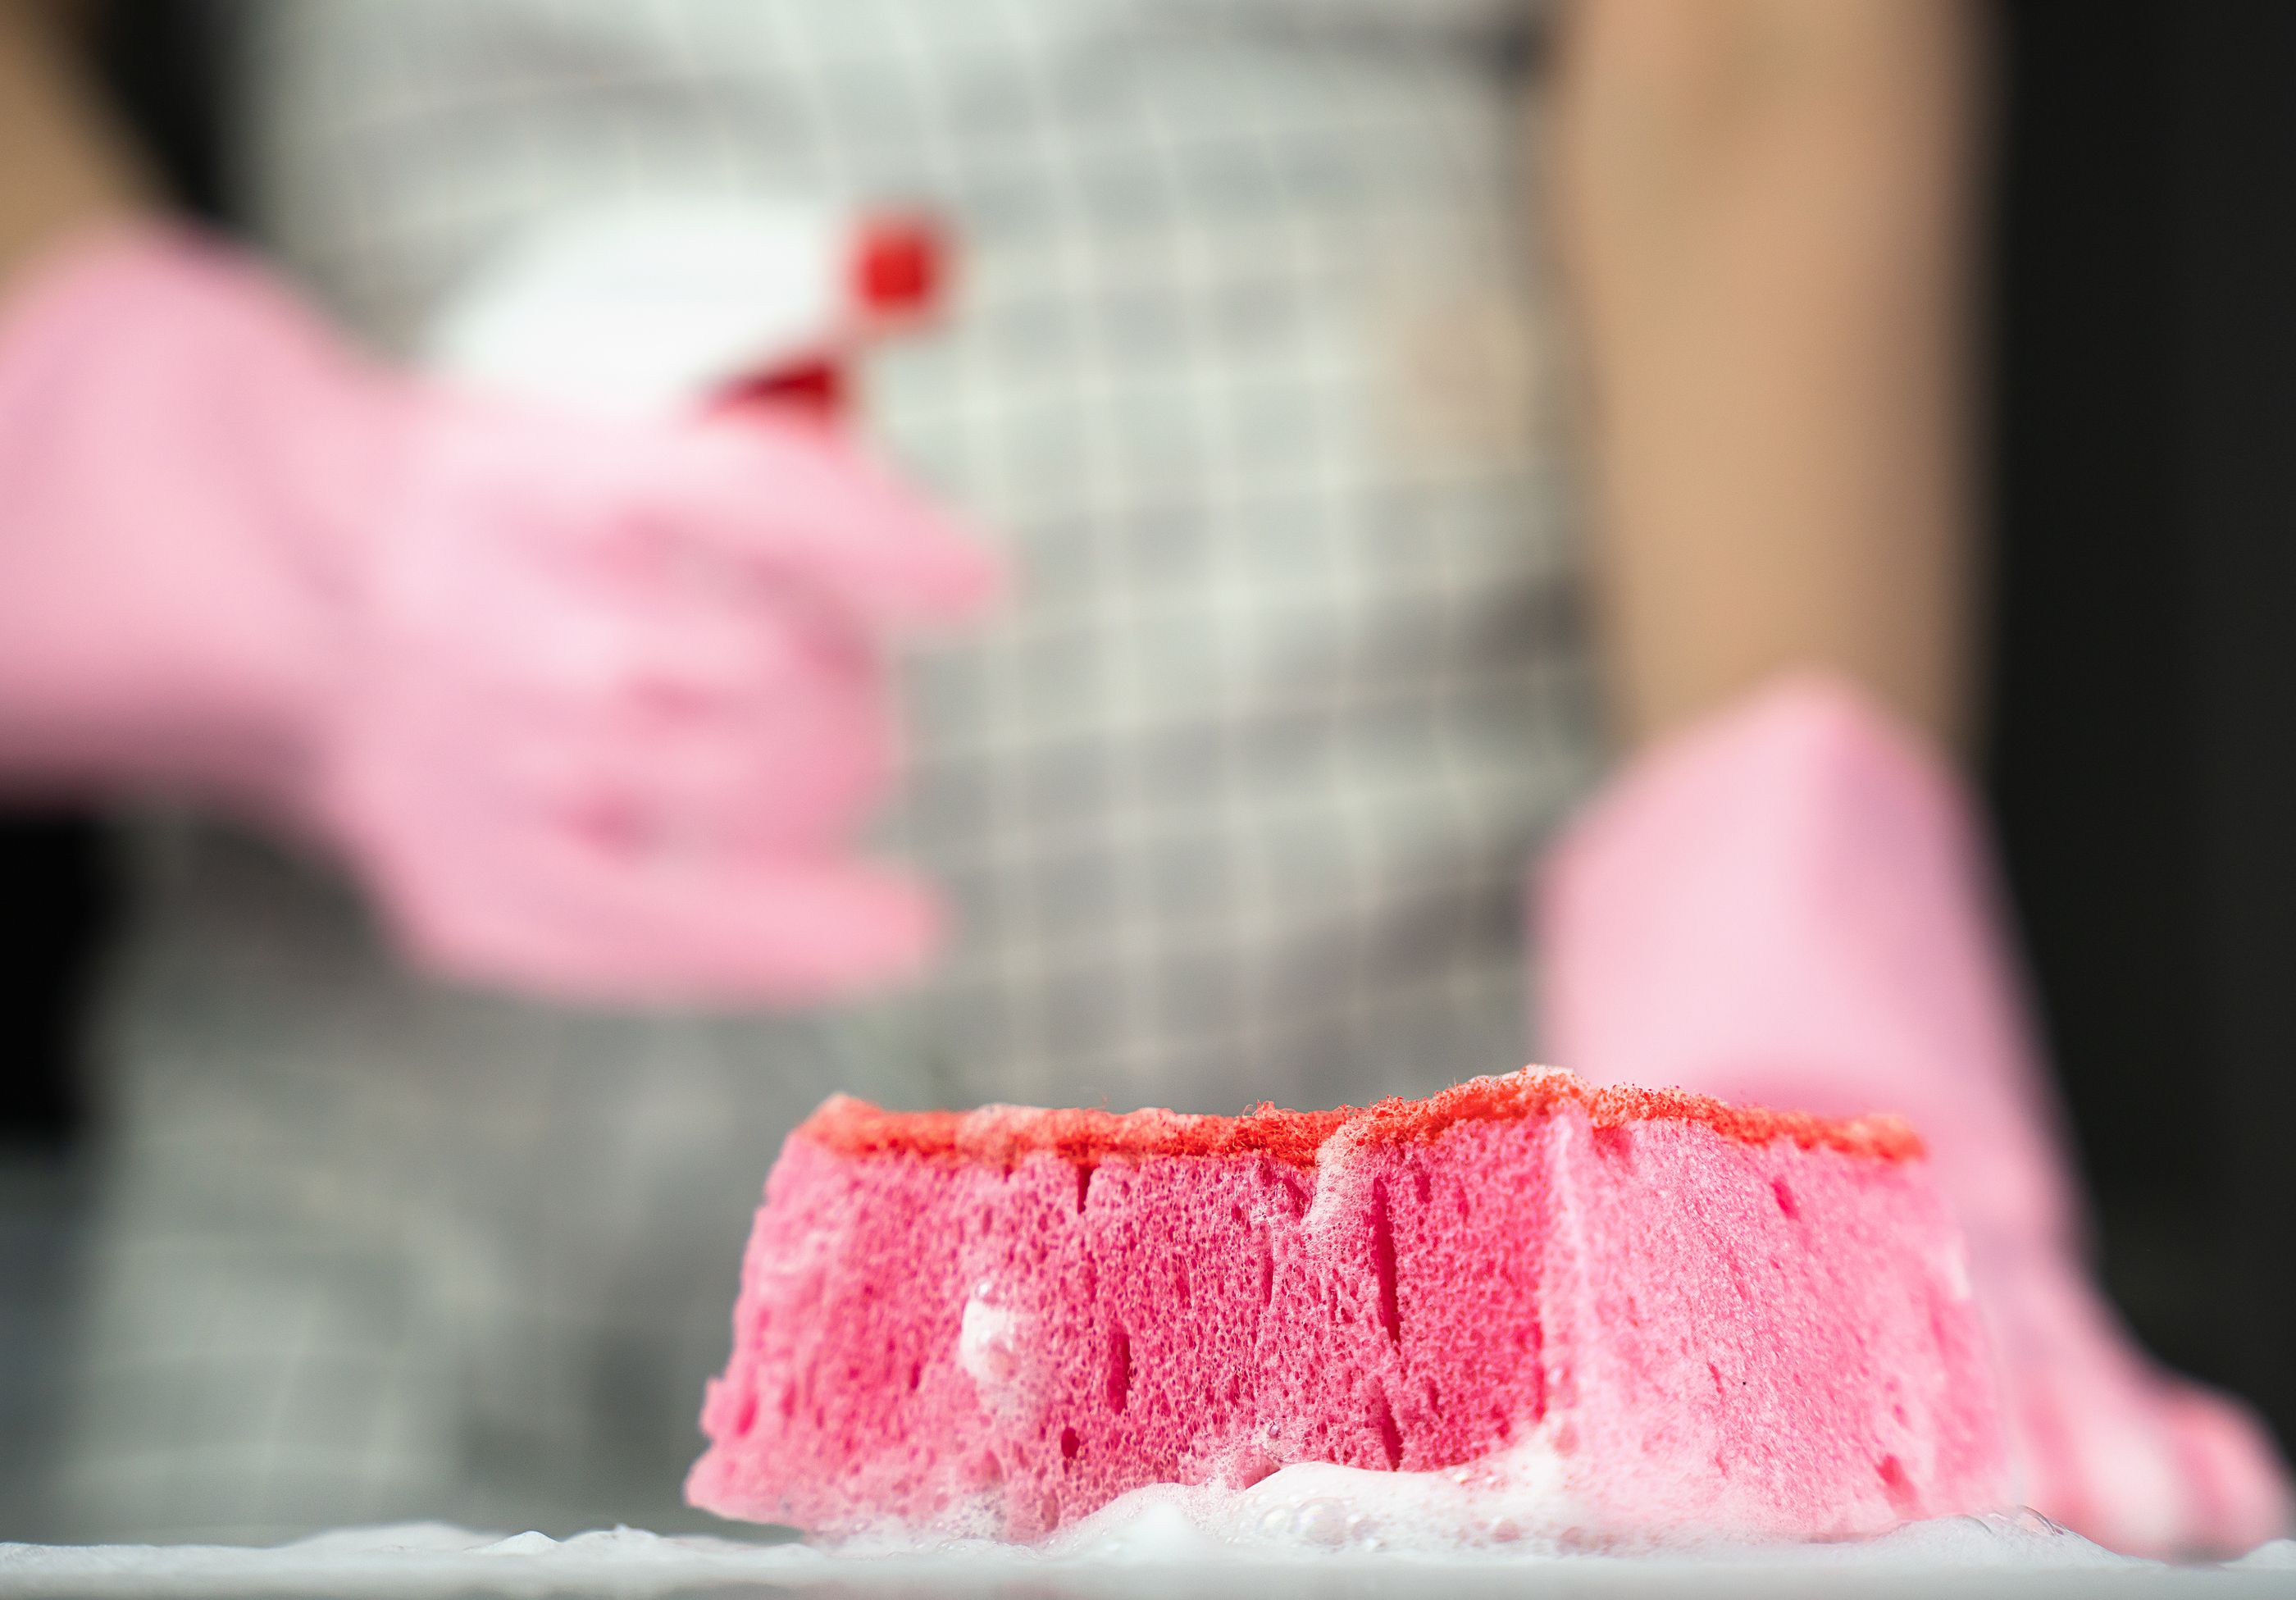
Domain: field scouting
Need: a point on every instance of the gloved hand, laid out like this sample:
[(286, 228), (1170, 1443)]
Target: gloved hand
[(1790, 903), (590, 706)]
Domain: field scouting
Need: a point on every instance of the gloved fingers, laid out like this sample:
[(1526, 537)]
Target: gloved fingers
[(565, 645), (757, 505), (2243, 1493), (2135, 1497), (774, 744), (2110, 1448), (625, 699), (794, 930), (811, 509), (796, 777), (596, 926), (682, 662)]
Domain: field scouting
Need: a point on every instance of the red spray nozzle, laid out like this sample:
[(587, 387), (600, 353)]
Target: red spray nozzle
[(899, 265), (896, 268)]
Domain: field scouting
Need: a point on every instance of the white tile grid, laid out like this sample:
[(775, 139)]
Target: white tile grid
[(1233, 806)]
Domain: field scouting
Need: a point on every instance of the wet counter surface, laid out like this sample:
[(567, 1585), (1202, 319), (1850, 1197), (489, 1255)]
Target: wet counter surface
[(1960, 1556)]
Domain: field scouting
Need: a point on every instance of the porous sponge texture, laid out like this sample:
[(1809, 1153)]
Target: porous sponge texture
[(1704, 1319)]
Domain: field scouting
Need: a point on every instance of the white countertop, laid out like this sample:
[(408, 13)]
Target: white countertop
[(1961, 1556)]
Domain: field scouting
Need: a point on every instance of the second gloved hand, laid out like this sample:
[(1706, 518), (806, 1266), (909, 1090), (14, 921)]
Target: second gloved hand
[(1789, 903), (591, 707)]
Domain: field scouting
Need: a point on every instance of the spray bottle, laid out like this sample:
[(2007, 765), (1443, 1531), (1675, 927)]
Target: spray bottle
[(644, 308)]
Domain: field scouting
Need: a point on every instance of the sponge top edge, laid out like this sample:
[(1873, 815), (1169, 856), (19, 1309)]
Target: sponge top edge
[(1003, 1134)]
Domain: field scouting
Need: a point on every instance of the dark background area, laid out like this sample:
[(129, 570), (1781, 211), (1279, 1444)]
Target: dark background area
[(2142, 764), (60, 889)]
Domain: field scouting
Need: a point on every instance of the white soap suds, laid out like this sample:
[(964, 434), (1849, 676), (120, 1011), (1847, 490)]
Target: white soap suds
[(1146, 1545), (417, 1559), (985, 1347), (1515, 1502), (2278, 1556)]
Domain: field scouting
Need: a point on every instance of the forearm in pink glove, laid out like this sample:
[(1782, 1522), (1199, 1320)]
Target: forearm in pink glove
[(1792, 904), (591, 707)]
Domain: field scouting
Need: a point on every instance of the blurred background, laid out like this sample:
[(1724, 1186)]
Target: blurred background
[(2144, 488), (2144, 491)]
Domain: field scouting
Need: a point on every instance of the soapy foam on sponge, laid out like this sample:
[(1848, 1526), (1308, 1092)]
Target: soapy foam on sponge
[(1537, 1310)]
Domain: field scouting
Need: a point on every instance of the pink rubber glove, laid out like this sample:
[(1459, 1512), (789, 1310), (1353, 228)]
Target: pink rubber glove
[(1792, 904), (590, 707)]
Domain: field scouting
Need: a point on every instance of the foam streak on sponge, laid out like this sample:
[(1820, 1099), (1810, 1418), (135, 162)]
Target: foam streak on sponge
[(1650, 1314)]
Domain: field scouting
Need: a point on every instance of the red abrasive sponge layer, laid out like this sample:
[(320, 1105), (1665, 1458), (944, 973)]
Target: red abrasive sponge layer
[(1683, 1318)]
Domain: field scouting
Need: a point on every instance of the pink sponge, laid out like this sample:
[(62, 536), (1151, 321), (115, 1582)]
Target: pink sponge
[(1691, 1318)]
